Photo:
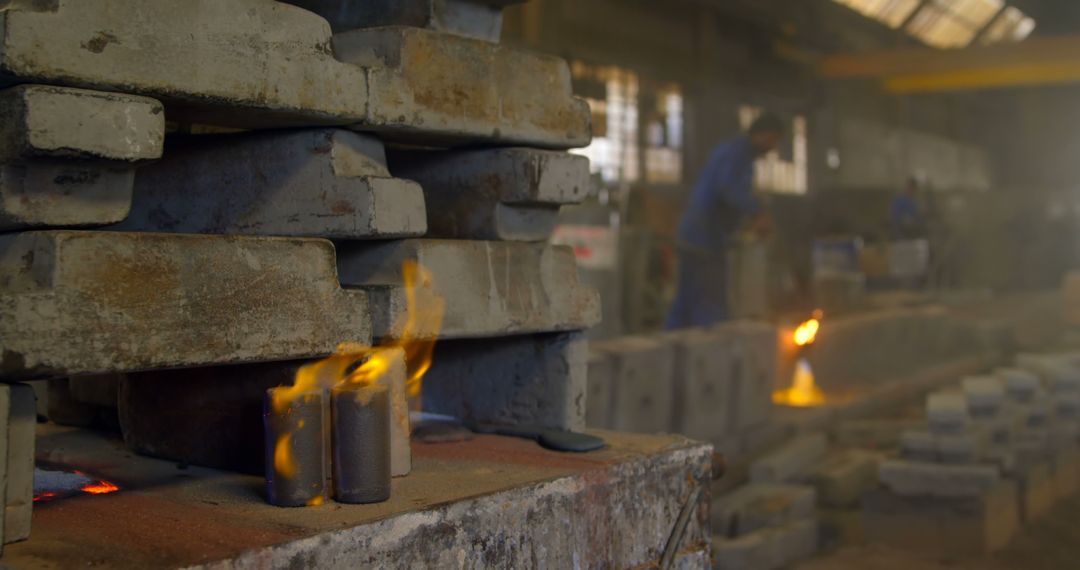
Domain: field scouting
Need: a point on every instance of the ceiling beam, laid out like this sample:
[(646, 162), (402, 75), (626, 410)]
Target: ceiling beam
[(1035, 61)]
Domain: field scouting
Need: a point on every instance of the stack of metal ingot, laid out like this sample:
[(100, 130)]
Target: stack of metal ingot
[(275, 223), (997, 453)]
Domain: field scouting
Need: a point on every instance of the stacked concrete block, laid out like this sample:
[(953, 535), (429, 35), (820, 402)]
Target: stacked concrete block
[(497, 194), (265, 64), (705, 364), (68, 156), (754, 375), (764, 526), (493, 288), (328, 183), (966, 524), (843, 477), (790, 462), (600, 380), (641, 382), (128, 301), (536, 380), (481, 19), (215, 249)]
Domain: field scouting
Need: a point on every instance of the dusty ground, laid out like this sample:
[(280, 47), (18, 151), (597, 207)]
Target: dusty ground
[(1052, 543)]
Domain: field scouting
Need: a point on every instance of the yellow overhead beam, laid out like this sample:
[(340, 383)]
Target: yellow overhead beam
[(1036, 61)]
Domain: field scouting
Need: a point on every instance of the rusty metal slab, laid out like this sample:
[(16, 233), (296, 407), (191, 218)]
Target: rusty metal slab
[(491, 288), (330, 183), (76, 302)]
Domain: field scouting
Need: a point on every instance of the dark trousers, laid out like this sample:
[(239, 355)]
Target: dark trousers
[(701, 298)]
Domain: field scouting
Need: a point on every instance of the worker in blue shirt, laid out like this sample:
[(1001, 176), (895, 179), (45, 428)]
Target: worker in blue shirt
[(721, 201), (906, 219)]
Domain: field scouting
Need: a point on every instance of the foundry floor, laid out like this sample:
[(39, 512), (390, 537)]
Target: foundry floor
[(1052, 543), (170, 515)]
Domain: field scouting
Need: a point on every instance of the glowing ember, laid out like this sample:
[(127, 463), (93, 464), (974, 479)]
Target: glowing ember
[(803, 392), (100, 488), (354, 363), (44, 496)]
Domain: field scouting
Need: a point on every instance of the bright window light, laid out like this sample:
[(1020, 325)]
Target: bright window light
[(949, 23)]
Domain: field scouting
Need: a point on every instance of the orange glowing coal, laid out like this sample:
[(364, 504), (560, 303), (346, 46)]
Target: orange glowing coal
[(100, 488), (357, 364)]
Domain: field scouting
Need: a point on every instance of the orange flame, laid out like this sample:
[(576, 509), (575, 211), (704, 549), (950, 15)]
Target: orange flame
[(357, 364), (100, 488), (803, 392), (806, 333)]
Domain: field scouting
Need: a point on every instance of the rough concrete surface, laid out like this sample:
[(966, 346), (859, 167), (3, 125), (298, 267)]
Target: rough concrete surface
[(489, 502), (844, 476), (791, 462), (533, 380), (328, 183), (491, 288), (910, 478), (518, 176), (481, 19), (67, 156), (757, 506), (755, 377), (41, 121), (242, 63), (705, 366), (443, 88), (92, 302), (598, 391), (261, 64), (641, 383), (1049, 544), (939, 526), (19, 488)]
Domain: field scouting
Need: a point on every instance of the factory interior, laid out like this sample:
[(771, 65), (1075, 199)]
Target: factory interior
[(596, 284)]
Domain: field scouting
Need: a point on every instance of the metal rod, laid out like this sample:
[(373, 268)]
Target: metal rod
[(296, 453), (361, 443)]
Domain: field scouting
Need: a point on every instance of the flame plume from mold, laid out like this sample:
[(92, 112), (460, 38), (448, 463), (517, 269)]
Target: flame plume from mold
[(357, 364), (804, 392)]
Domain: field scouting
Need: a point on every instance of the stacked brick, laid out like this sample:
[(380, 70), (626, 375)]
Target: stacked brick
[(281, 230), (710, 384), (996, 453)]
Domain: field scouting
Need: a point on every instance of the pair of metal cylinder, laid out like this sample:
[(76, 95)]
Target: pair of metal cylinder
[(313, 446)]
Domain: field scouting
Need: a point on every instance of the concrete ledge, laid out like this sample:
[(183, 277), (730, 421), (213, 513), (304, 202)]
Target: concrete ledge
[(490, 502)]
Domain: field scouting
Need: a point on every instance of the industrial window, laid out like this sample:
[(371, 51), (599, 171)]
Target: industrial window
[(784, 170), (664, 135), (949, 23), (1010, 26), (612, 94), (892, 13)]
